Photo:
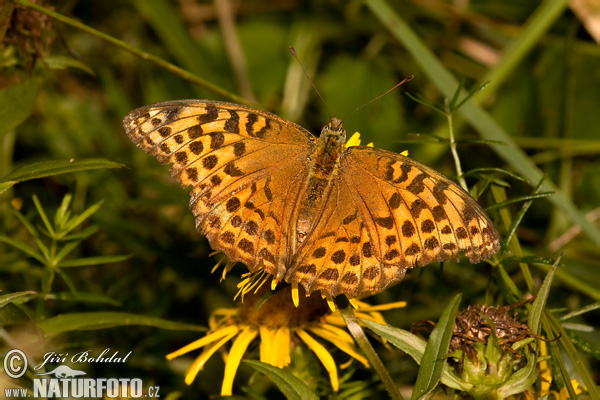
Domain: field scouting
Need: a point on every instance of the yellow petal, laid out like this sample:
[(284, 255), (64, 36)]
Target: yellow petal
[(266, 340), (329, 299), (382, 307), (235, 356), (340, 344), (545, 373), (295, 295), (371, 144), (340, 333), (405, 153), (354, 140), (281, 348), (274, 283), (199, 362), (323, 355), (204, 341)]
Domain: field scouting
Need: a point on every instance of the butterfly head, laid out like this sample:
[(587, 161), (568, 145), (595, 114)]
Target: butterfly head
[(334, 131)]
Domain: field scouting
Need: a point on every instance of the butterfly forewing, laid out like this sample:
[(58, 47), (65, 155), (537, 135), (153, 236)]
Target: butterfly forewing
[(245, 166)]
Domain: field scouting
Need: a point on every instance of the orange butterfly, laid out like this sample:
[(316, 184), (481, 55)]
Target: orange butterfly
[(341, 219)]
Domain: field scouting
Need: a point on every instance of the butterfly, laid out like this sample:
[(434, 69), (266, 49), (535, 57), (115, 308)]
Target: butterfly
[(268, 193)]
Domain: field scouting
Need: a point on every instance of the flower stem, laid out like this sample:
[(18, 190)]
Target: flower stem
[(459, 172), (125, 46), (361, 339)]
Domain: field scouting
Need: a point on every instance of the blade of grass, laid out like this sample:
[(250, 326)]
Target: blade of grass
[(106, 319), (487, 127)]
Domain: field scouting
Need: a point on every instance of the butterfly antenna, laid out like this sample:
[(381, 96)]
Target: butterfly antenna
[(380, 96), (293, 51)]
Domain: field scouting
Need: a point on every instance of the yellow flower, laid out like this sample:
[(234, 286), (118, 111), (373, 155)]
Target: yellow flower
[(280, 326)]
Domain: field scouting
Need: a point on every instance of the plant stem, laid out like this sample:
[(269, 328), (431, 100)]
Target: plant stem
[(459, 173), (125, 46), (363, 342)]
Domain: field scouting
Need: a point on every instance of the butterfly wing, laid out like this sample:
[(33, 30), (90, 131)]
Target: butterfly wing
[(391, 213), (246, 168)]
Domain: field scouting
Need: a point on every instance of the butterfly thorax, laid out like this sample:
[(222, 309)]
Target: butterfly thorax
[(324, 162)]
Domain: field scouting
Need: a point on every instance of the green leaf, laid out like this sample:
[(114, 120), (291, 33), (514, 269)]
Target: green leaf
[(537, 308), (79, 262), (16, 104), (23, 247), (106, 319), (63, 62), (500, 170), (12, 314), (49, 168), (517, 199), (83, 297), (43, 215), (292, 387), (434, 358), (75, 221), (522, 379), (414, 346), (16, 297)]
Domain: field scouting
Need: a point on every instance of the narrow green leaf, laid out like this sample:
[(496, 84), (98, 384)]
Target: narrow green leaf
[(64, 62), (83, 297), (32, 231), (519, 199), (471, 94), (75, 221), (414, 346), (291, 387), (457, 92), (434, 358), (480, 141), (62, 212), (105, 319), (4, 186), (519, 217), (66, 249), (23, 247), (67, 280), (16, 297), (581, 311), (585, 345), (537, 308), (80, 262), (12, 314), (86, 233), (16, 104), (530, 260), (43, 215), (425, 103), (409, 343), (491, 169), (49, 168)]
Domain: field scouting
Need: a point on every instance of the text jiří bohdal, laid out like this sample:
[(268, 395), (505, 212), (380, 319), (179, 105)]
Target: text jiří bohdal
[(86, 356)]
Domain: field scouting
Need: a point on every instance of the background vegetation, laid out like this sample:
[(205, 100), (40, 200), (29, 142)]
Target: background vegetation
[(65, 92)]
